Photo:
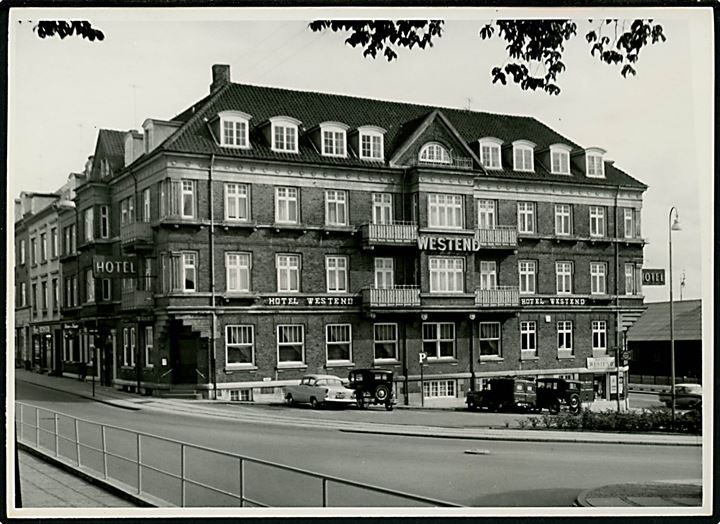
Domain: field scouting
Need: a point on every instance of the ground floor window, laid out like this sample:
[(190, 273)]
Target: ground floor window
[(386, 341), (241, 395), (528, 338), (439, 339), (338, 340), (148, 346), (564, 336), (599, 335), (490, 339), (439, 389), (239, 345), (291, 344)]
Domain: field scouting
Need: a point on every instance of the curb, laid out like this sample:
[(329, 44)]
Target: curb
[(114, 403), (581, 499)]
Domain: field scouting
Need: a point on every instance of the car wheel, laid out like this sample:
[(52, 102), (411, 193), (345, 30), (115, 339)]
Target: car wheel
[(314, 403), (382, 393), (574, 404), (554, 407), (389, 406), (289, 400)]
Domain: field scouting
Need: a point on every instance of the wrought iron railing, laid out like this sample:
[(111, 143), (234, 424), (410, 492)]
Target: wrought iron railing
[(393, 296), (505, 296), (497, 236), (395, 233)]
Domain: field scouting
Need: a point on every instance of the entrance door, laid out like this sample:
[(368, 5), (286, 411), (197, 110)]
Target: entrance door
[(185, 349), (107, 363)]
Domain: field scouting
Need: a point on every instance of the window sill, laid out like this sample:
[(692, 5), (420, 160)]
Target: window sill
[(149, 366), (529, 357), (491, 359), (241, 367), (340, 364), (386, 361), (565, 356), (291, 365), (441, 360)]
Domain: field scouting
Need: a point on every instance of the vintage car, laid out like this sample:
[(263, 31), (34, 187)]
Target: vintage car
[(319, 390), (686, 396), (503, 394), (372, 386), (552, 393)]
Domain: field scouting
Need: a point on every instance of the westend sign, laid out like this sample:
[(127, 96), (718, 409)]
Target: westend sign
[(436, 243), (653, 277), (104, 267), (600, 363), (314, 301), (562, 301)]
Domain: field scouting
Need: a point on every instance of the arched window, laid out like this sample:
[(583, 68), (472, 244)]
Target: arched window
[(434, 153)]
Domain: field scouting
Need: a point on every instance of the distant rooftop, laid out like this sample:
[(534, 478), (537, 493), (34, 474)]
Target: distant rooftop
[(654, 324)]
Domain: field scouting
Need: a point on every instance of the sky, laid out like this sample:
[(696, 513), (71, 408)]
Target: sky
[(153, 63)]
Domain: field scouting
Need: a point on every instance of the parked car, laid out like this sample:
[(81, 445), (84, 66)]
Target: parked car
[(502, 394), (319, 390), (372, 386), (686, 396), (552, 393)]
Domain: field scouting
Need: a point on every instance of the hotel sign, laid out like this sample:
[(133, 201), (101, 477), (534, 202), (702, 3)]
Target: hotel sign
[(311, 301), (562, 301), (653, 277), (106, 267), (438, 243), (600, 363)]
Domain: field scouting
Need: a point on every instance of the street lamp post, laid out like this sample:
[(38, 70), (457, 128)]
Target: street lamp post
[(673, 225)]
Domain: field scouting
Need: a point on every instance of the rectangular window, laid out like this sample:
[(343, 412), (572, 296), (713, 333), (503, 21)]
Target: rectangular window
[(560, 162), (288, 273), (439, 389), (124, 219), (598, 271), (126, 346), (563, 224), (629, 222), (565, 335), (22, 252), (148, 284), (597, 221), (89, 286), (240, 345), (89, 217), (630, 280), (148, 346), (490, 339), (526, 217), (386, 341), (528, 338), (133, 341), (599, 335), (104, 222), (285, 138), (488, 274), (336, 208), (189, 271), (188, 199), (382, 208), (526, 272), (106, 289), (523, 159), (371, 147), (237, 203), (291, 344), (56, 294), (336, 271), (237, 266), (33, 251), (286, 205), (44, 295), (439, 339), (490, 155), (146, 204), (333, 143), (445, 210), (384, 274), (234, 133), (563, 276), (447, 275), (34, 299), (43, 247), (338, 340), (23, 294), (53, 243), (486, 214)]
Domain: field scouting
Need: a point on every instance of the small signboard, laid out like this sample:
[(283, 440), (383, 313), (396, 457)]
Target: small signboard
[(600, 363), (563, 301), (314, 302), (423, 357), (653, 277), (114, 267)]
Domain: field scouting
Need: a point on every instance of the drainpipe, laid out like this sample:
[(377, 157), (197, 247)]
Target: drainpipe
[(406, 399), (617, 300), (136, 356), (211, 355)]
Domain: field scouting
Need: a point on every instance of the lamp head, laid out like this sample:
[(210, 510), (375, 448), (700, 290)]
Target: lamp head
[(676, 224)]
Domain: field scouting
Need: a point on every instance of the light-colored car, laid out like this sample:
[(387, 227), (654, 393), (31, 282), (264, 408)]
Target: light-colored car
[(686, 396), (319, 390)]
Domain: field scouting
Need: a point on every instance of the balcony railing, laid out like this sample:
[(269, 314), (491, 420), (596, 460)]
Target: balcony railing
[(136, 233), (398, 296), (136, 299), (505, 296), (395, 233), (458, 162), (499, 236)]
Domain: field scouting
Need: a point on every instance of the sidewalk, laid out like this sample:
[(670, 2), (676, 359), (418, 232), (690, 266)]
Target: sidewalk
[(650, 494)]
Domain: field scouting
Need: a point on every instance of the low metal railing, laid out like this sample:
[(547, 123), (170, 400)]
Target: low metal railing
[(501, 296), (497, 236), (393, 296), (174, 473), (136, 232), (395, 233)]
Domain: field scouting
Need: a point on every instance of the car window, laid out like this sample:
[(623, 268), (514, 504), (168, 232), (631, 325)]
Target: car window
[(321, 382), (333, 382), (305, 381)]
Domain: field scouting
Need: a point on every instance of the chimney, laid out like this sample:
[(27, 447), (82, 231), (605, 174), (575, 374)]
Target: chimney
[(18, 209), (220, 76), (88, 166)]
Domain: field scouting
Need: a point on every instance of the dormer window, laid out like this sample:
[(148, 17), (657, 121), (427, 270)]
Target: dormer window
[(334, 139), (284, 132), (234, 129), (371, 143), (594, 163), (523, 155), (490, 153), (434, 153), (560, 159)]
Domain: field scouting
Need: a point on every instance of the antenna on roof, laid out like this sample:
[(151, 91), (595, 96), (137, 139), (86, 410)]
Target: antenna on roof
[(468, 104)]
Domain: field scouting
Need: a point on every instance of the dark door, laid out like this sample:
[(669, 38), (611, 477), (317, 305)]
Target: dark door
[(184, 360), (106, 363)]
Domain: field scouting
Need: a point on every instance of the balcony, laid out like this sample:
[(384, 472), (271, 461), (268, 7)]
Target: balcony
[(499, 236), (136, 234), (504, 296), (136, 299), (457, 162), (398, 296), (395, 234)]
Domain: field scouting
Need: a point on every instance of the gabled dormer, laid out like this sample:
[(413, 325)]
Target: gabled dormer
[(369, 142), (595, 162), (231, 129), (282, 133), (490, 156), (523, 155), (434, 153), (155, 132), (133, 146), (559, 160), (332, 139)]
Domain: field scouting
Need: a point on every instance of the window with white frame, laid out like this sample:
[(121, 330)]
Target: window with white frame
[(56, 294), (188, 198), (563, 277), (385, 338), (384, 274), (89, 286), (53, 244), (526, 272), (133, 341), (486, 214), (104, 222), (434, 153), (126, 346), (338, 343), (371, 145), (237, 202), (488, 274), (565, 336), (148, 274), (33, 251), (106, 289), (594, 165), (598, 278), (336, 271), (445, 210), (23, 294), (597, 221), (44, 293), (336, 208), (526, 217), (447, 275), (560, 160), (43, 247), (291, 344), (490, 153), (439, 339), (189, 271), (89, 219), (599, 335), (563, 223), (286, 205), (439, 389), (382, 208), (284, 136), (523, 153), (630, 280), (237, 271), (241, 395), (288, 273), (239, 345), (22, 252), (334, 141), (148, 346), (628, 222), (528, 338), (234, 131), (146, 204), (490, 340)]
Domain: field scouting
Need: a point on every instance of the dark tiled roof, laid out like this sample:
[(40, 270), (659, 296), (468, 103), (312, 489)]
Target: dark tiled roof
[(112, 144), (399, 119), (654, 324)]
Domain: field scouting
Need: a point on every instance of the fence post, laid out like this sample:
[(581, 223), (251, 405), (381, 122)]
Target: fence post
[(182, 475), (242, 483), (324, 493), (57, 435), (77, 441), (139, 468), (104, 451)]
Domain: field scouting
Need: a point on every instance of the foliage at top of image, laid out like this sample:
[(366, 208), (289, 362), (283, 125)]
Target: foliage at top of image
[(64, 29), (534, 47)]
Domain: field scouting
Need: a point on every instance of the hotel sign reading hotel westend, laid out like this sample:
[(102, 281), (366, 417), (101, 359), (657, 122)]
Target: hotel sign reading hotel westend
[(437, 243)]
